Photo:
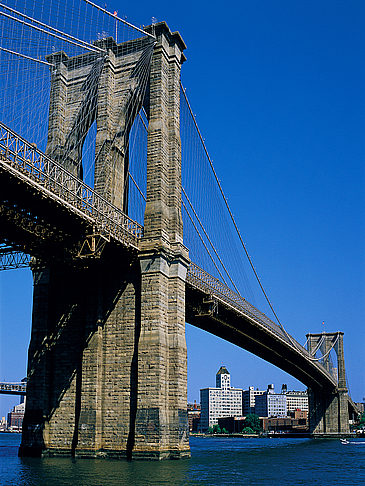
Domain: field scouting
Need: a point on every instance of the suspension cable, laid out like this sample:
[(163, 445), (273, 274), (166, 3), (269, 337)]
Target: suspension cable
[(25, 57), (228, 207), (49, 27), (77, 43), (118, 18), (292, 341), (210, 242)]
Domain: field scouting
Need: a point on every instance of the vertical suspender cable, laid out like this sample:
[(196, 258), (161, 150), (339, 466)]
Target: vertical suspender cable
[(228, 208)]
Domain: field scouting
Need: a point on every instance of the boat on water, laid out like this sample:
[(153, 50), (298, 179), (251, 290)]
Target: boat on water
[(352, 442)]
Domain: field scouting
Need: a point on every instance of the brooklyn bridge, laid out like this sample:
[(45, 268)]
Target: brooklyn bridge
[(104, 181)]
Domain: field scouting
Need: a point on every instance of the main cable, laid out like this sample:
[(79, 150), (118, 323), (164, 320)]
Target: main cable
[(294, 343)]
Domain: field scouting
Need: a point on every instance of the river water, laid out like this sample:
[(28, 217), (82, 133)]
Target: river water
[(215, 461)]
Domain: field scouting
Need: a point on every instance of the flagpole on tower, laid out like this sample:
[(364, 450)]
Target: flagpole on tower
[(116, 25)]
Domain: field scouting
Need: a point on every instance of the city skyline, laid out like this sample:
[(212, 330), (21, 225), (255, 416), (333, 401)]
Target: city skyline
[(278, 93)]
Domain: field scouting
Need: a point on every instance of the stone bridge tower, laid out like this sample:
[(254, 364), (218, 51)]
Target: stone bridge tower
[(107, 358), (328, 411)]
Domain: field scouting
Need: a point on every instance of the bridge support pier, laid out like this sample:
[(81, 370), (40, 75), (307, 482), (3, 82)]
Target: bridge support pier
[(328, 414), (161, 417), (107, 371), (328, 411), (81, 373)]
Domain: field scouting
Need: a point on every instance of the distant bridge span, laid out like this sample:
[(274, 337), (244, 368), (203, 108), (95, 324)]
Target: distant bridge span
[(13, 388), (215, 308)]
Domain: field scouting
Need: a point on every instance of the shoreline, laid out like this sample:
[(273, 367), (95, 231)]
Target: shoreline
[(293, 435)]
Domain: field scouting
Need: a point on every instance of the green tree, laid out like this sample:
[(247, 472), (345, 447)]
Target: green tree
[(252, 421), (224, 431), (361, 423), (210, 430), (247, 430), (216, 429)]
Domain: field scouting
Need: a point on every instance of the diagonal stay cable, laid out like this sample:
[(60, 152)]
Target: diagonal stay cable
[(138, 96), (142, 120), (191, 219), (204, 244), (200, 223), (137, 186), (227, 205), (209, 240)]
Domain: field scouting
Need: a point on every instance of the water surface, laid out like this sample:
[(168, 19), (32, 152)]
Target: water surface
[(215, 461)]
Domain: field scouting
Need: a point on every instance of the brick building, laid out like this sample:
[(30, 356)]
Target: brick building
[(15, 418), (193, 416)]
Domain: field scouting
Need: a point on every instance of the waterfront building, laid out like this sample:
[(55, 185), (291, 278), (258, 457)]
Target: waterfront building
[(249, 399), (301, 415), (285, 424), (3, 424), (271, 404), (15, 417), (193, 416), (221, 401), (295, 400), (233, 425)]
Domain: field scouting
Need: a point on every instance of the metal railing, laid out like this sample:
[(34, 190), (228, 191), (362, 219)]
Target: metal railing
[(202, 280), (27, 162)]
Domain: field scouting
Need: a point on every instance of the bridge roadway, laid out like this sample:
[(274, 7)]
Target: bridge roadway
[(44, 207)]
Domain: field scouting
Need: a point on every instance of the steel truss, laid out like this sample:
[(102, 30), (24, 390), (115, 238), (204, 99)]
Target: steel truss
[(10, 260), (24, 161)]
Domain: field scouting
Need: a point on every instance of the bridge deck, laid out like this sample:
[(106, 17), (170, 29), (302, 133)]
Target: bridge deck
[(236, 320)]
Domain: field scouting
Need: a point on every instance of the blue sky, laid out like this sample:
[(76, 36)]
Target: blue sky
[(278, 91)]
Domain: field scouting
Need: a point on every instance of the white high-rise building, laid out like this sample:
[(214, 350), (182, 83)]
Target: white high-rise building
[(222, 401), (271, 404)]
